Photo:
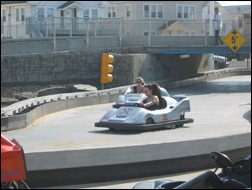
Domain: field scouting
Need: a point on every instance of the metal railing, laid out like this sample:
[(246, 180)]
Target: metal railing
[(117, 31), (35, 27)]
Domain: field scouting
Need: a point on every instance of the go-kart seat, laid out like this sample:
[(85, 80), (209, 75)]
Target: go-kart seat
[(162, 103)]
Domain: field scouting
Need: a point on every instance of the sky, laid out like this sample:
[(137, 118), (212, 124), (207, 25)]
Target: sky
[(230, 3)]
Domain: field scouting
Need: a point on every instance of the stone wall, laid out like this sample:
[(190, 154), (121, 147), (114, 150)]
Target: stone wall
[(86, 64)]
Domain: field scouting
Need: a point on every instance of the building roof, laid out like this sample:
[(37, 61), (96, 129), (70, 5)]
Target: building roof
[(174, 25), (69, 4), (12, 2)]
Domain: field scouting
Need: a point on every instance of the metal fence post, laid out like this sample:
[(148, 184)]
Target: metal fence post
[(71, 26), (206, 32), (47, 28), (87, 34), (95, 28), (167, 27), (149, 37), (54, 35), (120, 32), (17, 30)]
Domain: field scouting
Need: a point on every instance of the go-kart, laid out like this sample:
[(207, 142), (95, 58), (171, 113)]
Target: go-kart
[(128, 115), (13, 168), (233, 176)]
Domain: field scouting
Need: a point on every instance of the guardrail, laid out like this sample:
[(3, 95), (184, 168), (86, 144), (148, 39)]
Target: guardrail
[(14, 117)]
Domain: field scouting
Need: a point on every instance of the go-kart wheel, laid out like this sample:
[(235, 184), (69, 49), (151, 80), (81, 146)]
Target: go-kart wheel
[(222, 161), (149, 121), (112, 129), (136, 105), (182, 117)]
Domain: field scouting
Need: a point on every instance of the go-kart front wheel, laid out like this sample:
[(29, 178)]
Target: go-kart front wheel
[(149, 121)]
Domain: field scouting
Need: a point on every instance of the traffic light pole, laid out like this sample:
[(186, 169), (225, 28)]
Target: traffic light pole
[(102, 86)]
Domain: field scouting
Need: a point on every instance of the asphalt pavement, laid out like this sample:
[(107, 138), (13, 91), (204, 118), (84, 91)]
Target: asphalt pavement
[(68, 139), (217, 108)]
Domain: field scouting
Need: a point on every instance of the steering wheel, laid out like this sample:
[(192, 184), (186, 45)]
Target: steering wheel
[(222, 161)]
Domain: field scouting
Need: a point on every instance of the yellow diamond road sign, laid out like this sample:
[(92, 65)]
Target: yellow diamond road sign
[(234, 40)]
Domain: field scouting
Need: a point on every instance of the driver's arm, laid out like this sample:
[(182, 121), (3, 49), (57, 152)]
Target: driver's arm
[(155, 101)]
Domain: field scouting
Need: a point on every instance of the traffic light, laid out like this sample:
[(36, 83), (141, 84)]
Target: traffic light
[(106, 68)]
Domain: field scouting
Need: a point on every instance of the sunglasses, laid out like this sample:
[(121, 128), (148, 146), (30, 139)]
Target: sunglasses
[(138, 81), (145, 90)]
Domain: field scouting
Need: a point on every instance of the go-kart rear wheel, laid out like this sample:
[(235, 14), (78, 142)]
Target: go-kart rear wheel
[(182, 117), (149, 121)]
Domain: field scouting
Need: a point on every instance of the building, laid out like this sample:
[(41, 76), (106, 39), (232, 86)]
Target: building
[(24, 19), (208, 15), (242, 17), (158, 17)]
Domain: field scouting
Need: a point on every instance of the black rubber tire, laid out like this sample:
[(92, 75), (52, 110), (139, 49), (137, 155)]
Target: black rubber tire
[(149, 121)]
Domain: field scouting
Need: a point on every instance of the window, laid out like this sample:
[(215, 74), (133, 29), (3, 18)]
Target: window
[(112, 12), (240, 20), (86, 14), (109, 12), (146, 11), (153, 11), (179, 12), (160, 11), (186, 33), (41, 13), (189, 33), (17, 15), (20, 14), (50, 12), (128, 11), (128, 33), (146, 33), (185, 12), (4, 15), (94, 13), (192, 12)]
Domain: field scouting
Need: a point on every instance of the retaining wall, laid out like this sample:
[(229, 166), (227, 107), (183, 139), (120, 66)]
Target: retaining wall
[(86, 64), (54, 103)]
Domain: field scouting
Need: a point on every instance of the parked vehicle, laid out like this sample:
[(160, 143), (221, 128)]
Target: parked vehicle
[(220, 62)]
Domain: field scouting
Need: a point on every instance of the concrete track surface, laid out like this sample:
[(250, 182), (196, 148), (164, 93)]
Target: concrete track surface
[(68, 139)]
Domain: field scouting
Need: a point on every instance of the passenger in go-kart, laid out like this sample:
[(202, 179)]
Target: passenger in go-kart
[(153, 96), (139, 87)]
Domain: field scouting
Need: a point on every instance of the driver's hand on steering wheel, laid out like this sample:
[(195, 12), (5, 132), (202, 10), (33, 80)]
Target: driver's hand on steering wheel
[(141, 105)]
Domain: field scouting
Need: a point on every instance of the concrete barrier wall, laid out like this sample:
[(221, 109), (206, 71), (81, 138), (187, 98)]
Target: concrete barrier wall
[(132, 154), (54, 103)]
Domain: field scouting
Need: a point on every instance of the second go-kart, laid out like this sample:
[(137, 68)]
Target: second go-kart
[(233, 176), (13, 167), (127, 115)]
